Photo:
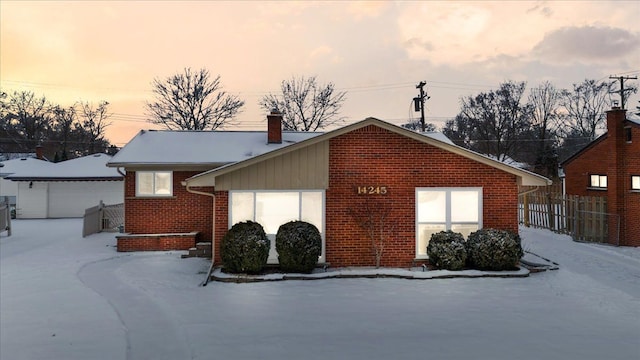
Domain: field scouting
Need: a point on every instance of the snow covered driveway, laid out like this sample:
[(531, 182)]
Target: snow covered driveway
[(65, 297)]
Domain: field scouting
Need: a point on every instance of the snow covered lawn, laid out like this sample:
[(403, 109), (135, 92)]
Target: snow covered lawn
[(65, 297)]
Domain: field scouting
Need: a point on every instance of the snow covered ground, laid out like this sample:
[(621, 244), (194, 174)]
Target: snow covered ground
[(65, 297)]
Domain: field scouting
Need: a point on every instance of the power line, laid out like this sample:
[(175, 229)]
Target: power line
[(622, 90)]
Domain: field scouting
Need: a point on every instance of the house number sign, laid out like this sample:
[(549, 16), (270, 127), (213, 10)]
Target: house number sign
[(372, 190)]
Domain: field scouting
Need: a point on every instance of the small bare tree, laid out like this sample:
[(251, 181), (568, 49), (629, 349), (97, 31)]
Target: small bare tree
[(375, 217), (94, 122), (306, 105), (192, 101)]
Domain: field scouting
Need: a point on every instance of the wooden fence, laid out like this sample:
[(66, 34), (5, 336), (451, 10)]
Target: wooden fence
[(585, 218), (102, 217), (5, 216)]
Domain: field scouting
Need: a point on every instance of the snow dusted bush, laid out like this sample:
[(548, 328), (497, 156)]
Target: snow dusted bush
[(245, 248), (491, 249), (299, 245), (446, 250)]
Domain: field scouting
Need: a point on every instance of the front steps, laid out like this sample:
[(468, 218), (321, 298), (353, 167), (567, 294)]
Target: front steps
[(202, 249)]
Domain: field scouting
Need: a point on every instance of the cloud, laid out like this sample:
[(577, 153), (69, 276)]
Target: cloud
[(587, 43), (367, 9)]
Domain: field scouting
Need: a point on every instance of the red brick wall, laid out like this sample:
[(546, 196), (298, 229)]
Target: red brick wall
[(182, 213), (631, 164), (155, 243), (592, 161), (376, 157), (222, 221)]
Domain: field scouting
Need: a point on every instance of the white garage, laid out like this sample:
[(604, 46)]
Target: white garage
[(66, 189)]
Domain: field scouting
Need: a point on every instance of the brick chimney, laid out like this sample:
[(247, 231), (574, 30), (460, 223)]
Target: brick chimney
[(40, 152), (616, 179), (274, 127)]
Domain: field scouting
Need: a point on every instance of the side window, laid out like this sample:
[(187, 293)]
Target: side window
[(598, 181), (154, 183), (635, 182)]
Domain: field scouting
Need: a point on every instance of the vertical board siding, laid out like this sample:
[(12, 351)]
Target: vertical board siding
[(305, 168)]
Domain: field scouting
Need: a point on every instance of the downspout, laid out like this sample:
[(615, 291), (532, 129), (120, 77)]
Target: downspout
[(213, 229), (120, 172)]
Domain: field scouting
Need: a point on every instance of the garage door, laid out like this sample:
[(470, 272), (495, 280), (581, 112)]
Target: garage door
[(32, 200), (71, 198)]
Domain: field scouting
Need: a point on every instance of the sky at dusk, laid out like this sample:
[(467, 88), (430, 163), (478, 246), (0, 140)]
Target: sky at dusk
[(375, 51)]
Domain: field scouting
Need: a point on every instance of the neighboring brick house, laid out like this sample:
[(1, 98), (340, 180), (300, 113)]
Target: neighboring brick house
[(427, 183), (610, 166)]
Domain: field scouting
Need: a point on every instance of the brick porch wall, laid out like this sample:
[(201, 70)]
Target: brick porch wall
[(157, 242)]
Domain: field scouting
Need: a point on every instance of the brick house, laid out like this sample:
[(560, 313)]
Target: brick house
[(427, 183), (610, 166)]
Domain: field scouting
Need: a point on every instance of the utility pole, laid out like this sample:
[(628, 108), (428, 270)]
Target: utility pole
[(418, 103), (622, 89)]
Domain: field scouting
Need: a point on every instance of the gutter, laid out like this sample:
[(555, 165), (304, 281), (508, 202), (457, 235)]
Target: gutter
[(213, 230)]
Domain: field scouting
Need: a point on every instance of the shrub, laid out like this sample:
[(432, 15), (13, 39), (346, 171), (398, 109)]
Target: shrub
[(446, 250), (491, 249), (299, 245), (245, 248)]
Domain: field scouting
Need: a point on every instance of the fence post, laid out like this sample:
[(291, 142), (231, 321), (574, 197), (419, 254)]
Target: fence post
[(525, 208), (550, 212), (8, 215)]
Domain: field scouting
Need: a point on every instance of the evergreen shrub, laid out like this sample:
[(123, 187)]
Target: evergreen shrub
[(492, 249), (299, 245), (245, 248), (446, 250)]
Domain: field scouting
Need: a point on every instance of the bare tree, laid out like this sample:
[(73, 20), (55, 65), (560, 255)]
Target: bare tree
[(62, 131), (416, 125), (374, 216), (27, 116), (494, 122), (94, 122), (305, 104), (191, 100), (584, 108), (545, 105)]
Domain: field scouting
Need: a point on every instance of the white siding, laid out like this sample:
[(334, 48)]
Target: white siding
[(71, 198), (32, 201)]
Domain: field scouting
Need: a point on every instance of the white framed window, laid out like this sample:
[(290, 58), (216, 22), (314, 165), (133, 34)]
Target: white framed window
[(274, 208), (598, 181), (154, 183), (441, 209), (635, 182)]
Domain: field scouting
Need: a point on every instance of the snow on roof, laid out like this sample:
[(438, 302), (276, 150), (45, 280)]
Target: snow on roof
[(91, 167), (200, 147), (509, 161), (439, 136), (633, 118), (26, 164)]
